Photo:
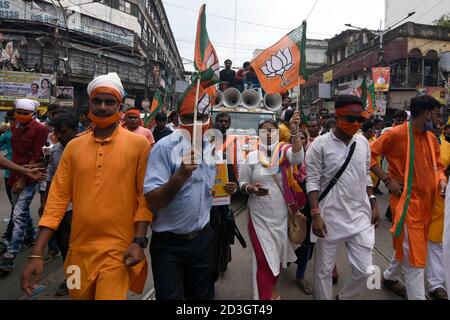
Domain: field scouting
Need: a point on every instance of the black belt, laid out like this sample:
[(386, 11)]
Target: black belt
[(167, 235)]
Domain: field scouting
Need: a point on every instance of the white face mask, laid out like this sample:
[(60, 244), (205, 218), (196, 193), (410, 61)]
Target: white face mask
[(196, 123)]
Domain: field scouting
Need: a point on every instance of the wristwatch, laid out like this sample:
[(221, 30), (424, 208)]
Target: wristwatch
[(142, 241)]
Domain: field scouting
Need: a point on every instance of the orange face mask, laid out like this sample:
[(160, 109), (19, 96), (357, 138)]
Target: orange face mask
[(347, 127), (103, 122), (190, 127), (23, 118)]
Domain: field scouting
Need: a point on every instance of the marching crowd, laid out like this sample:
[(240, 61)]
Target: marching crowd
[(107, 180)]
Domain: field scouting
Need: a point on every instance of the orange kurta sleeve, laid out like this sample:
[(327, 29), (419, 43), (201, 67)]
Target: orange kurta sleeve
[(142, 211), (60, 193)]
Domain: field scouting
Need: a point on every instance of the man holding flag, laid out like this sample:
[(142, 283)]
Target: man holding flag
[(415, 178), (178, 189)]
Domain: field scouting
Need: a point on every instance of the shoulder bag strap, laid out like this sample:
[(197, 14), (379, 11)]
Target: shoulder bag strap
[(339, 173)]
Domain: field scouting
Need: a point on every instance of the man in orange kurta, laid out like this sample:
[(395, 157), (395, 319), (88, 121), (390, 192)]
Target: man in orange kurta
[(427, 181), (102, 173)]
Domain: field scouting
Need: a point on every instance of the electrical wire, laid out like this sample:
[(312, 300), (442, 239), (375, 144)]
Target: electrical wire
[(311, 10), (432, 8)]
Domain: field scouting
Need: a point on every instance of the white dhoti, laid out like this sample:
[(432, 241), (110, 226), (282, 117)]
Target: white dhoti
[(415, 283), (435, 266), (359, 251)]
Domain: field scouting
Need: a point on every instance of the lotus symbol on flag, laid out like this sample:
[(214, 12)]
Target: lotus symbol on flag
[(204, 105), (213, 63), (278, 64)]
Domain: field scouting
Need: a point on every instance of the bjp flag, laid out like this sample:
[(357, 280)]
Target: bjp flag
[(367, 94), (279, 67), (206, 62), (186, 102), (154, 109)]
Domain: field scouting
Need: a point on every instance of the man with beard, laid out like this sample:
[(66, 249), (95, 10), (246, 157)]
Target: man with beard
[(227, 151)]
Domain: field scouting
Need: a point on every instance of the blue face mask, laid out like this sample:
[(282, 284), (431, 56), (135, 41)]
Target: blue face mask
[(429, 125)]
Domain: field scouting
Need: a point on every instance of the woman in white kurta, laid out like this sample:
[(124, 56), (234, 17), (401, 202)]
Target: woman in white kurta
[(268, 212)]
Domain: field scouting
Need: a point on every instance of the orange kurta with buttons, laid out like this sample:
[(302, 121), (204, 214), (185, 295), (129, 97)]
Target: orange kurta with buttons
[(393, 145), (104, 181)]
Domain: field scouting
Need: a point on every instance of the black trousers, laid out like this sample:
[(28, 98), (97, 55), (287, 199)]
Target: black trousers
[(62, 234), (183, 269), (9, 229)]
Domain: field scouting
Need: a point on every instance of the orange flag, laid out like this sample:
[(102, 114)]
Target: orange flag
[(279, 67), (206, 62)]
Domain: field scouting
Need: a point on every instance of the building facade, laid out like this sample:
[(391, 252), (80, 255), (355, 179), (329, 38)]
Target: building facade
[(413, 52), (75, 40), (426, 12)]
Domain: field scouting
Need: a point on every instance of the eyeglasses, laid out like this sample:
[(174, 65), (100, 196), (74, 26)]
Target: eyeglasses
[(107, 102), (352, 119)]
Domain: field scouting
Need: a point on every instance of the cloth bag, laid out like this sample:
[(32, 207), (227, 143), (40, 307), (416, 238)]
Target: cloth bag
[(297, 222)]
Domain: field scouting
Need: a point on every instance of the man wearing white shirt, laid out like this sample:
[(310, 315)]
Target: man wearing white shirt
[(347, 214)]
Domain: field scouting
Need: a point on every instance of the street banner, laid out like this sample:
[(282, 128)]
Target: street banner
[(15, 85), (328, 76), (380, 103), (64, 96), (283, 66), (220, 196), (381, 78), (206, 62), (439, 93)]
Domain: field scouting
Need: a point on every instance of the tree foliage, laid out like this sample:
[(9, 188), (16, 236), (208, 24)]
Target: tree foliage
[(443, 21)]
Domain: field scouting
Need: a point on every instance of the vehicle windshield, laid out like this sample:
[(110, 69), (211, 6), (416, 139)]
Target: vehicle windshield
[(245, 123)]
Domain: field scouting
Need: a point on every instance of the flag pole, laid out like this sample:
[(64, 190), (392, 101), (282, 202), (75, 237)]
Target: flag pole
[(299, 94), (194, 132)]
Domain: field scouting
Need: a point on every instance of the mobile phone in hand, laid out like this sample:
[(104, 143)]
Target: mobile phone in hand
[(265, 190)]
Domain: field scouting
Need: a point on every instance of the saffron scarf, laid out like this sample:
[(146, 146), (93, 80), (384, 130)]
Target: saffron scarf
[(293, 193), (402, 207)]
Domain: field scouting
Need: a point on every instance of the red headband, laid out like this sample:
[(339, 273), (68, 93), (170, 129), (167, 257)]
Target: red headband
[(133, 112), (349, 110), (136, 113)]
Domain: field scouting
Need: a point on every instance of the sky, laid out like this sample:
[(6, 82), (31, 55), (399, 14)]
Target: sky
[(261, 23)]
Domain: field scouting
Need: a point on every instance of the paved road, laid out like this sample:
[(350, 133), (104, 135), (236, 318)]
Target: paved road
[(236, 283)]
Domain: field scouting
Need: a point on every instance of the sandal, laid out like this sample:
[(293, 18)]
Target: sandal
[(304, 286), (398, 288)]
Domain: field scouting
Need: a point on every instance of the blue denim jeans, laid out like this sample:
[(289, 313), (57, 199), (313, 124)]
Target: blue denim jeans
[(21, 217)]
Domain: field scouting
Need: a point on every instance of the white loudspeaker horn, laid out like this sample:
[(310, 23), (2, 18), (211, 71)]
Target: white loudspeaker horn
[(219, 99), (231, 98), (250, 99), (272, 101)]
